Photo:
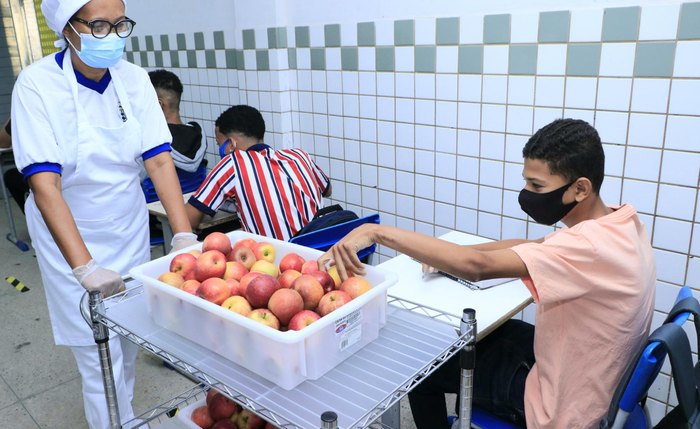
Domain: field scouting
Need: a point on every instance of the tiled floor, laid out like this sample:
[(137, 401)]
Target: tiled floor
[(39, 382)]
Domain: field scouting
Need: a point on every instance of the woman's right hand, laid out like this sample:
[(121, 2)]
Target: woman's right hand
[(97, 279)]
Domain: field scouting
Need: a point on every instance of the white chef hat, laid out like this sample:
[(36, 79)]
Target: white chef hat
[(57, 14)]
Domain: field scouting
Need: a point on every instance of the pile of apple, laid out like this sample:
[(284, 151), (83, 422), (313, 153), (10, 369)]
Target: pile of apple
[(222, 413), (244, 278)]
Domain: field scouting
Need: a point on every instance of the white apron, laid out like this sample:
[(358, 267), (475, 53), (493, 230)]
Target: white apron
[(100, 183)]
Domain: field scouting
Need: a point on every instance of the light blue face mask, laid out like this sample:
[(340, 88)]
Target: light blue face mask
[(100, 53)]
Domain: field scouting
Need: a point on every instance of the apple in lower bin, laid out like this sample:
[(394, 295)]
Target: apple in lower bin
[(221, 407), (243, 255), (173, 279), (211, 263), (237, 304), (264, 251), (234, 270), (249, 420), (265, 267), (183, 264), (270, 426), (355, 286), (291, 261), (201, 417), (265, 316), (210, 395), (191, 286), (332, 301), (309, 266), (302, 319), (310, 290), (325, 279), (217, 241), (214, 290), (284, 304), (260, 289), (287, 278), (226, 424)]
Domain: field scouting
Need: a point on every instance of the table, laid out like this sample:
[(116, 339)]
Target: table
[(156, 209), (12, 235)]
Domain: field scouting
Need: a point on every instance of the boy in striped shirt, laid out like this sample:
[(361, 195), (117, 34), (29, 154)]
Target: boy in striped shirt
[(276, 192)]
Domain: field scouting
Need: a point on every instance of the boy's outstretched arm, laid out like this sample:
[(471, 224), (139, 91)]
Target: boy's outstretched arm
[(468, 262)]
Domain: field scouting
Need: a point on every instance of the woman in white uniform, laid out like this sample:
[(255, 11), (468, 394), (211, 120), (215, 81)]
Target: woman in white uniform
[(81, 119)]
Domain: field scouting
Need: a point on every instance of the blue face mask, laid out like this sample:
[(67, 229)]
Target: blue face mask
[(224, 145), (100, 53)]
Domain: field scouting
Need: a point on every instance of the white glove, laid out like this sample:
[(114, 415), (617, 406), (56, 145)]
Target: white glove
[(182, 240), (95, 278)]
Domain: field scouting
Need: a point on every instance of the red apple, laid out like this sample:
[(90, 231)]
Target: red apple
[(288, 277), (325, 279), (332, 301), (355, 286), (249, 420), (237, 304), (243, 255), (310, 290), (221, 407), (183, 264), (201, 417), (302, 319), (284, 304), (195, 252), (210, 394), (214, 289), (270, 426), (191, 286), (234, 270), (265, 316), (234, 286), (211, 263), (291, 261), (260, 289), (309, 266), (226, 424), (244, 242), (217, 241), (173, 279), (265, 267), (265, 251), (243, 284), (333, 272)]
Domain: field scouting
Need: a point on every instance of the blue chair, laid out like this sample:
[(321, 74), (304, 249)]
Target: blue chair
[(323, 239)]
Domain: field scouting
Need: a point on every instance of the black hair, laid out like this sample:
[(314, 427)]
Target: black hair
[(243, 119), (571, 148), (166, 80)]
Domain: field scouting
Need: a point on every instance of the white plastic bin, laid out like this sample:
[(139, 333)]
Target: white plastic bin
[(284, 358)]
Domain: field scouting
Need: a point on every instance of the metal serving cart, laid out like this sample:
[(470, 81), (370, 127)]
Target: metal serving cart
[(359, 391)]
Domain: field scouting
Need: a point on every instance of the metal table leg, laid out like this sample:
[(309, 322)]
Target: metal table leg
[(12, 235), (101, 334), (467, 360)]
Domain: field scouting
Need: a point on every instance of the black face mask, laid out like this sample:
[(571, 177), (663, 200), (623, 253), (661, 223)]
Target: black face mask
[(546, 208)]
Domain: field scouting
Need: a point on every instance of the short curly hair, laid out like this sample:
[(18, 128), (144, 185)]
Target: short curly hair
[(571, 148), (243, 119)]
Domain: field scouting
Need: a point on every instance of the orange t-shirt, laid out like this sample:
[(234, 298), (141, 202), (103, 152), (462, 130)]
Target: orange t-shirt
[(594, 287)]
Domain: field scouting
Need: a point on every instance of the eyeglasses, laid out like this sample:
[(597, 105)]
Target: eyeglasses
[(101, 28)]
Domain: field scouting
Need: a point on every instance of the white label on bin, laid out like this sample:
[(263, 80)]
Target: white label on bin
[(349, 329)]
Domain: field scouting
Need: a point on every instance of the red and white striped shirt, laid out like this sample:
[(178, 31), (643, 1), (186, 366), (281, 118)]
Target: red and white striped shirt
[(276, 192)]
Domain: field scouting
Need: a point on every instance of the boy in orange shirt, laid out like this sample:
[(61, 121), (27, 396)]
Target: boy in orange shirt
[(593, 284)]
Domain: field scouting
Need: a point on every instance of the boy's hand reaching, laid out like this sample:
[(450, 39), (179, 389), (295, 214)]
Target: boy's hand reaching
[(343, 254)]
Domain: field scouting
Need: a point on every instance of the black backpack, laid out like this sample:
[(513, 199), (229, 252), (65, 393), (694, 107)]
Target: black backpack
[(327, 216)]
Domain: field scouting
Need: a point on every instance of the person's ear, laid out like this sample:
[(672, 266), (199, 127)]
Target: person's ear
[(583, 188), (162, 104)]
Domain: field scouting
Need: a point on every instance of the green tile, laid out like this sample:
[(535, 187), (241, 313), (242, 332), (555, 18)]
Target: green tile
[(332, 35), (240, 59), (318, 58), (424, 59), (181, 42), (174, 59), (403, 32), (135, 44), (301, 37), (149, 43), (471, 59), (230, 58), (384, 59), (654, 59), (164, 42), (583, 59), (272, 38), (219, 42), (621, 24), (262, 59), (554, 27), (292, 58), (522, 59), (497, 28), (199, 41), (689, 21), (130, 57), (191, 59), (210, 58), (159, 59), (366, 35), (249, 39), (144, 59), (348, 58), (447, 31), (277, 38)]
